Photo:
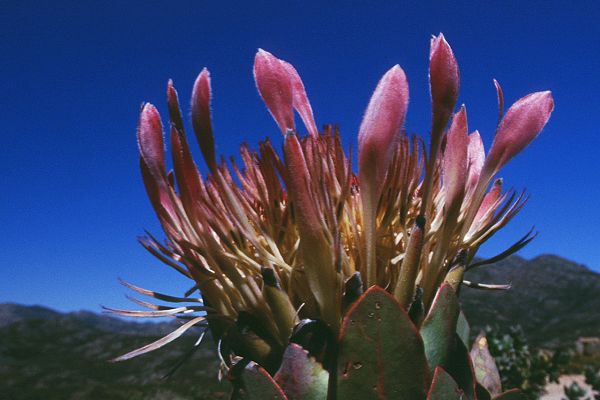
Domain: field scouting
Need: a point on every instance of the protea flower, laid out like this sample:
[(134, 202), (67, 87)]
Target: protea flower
[(293, 246)]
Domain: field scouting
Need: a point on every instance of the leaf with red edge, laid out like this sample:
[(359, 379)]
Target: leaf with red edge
[(443, 387), (255, 383), (300, 376), (381, 354)]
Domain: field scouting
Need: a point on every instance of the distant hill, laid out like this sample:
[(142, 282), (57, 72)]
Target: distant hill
[(48, 355), (553, 299), (45, 355)]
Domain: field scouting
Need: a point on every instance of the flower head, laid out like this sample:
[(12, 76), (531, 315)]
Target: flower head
[(288, 237)]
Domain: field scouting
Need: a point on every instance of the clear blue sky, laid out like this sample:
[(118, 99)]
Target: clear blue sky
[(75, 72)]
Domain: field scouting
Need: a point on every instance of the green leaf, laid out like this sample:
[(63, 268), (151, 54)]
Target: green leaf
[(443, 387), (255, 383), (459, 366), (439, 327), (463, 329), (513, 394), (300, 376), (380, 351), (484, 365)]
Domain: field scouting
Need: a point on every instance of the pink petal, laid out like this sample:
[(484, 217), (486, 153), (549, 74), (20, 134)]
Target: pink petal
[(444, 81), (476, 154), (489, 200), (301, 103), (275, 87), (456, 159), (523, 121), (201, 120), (381, 126)]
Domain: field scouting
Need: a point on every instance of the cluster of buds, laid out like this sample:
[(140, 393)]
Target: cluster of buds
[(282, 247)]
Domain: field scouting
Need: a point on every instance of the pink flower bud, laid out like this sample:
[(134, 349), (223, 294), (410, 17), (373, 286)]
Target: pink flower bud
[(150, 140), (523, 121), (377, 137), (380, 127), (444, 81), (152, 162), (201, 97), (275, 87)]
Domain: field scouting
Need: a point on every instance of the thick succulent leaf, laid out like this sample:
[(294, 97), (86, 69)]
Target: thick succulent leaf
[(439, 327), (459, 366), (443, 387), (463, 330), (255, 383), (380, 352), (300, 376), (485, 367), (513, 394)]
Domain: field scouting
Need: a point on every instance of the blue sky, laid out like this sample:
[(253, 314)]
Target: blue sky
[(74, 74)]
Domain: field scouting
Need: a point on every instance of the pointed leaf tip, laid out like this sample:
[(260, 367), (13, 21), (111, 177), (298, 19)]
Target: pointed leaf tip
[(275, 87), (201, 119)]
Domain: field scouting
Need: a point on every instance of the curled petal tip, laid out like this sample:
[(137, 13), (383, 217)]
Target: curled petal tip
[(523, 121), (275, 88)]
